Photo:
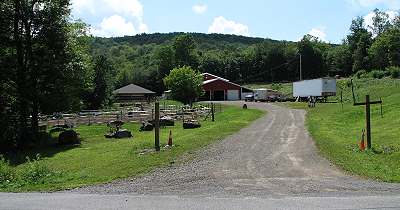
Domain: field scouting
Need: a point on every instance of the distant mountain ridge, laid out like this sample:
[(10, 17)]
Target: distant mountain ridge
[(160, 38)]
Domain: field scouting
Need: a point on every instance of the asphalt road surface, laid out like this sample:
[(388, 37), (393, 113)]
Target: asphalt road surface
[(273, 163), (61, 201)]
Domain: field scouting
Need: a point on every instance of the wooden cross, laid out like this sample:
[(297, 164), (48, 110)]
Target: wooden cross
[(367, 104)]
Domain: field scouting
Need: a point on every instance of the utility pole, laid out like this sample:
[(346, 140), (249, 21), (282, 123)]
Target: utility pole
[(301, 76)]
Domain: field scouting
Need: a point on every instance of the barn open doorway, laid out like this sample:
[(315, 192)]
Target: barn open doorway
[(219, 95)]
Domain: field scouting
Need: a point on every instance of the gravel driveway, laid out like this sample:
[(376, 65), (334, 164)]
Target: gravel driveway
[(274, 156)]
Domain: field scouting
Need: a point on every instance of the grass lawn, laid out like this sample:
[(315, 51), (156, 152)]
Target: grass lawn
[(100, 160), (337, 131)]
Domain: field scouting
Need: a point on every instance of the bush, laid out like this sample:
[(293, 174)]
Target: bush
[(360, 74), (45, 139), (394, 71), (378, 74), (35, 171), (69, 137), (7, 174)]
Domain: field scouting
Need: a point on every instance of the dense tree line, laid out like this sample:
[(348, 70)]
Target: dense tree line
[(45, 67), (146, 58)]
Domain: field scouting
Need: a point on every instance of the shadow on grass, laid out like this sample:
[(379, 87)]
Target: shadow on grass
[(44, 148)]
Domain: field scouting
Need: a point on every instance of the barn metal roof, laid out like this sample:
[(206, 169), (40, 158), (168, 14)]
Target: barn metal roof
[(221, 79), (217, 77), (133, 89)]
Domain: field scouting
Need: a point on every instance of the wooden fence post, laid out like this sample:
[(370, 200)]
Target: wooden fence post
[(368, 121), (157, 126)]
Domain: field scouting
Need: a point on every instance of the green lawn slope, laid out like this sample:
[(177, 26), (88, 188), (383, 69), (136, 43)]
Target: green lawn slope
[(100, 160), (337, 130)]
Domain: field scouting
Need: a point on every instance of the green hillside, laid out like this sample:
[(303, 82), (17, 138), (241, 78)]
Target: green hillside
[(146, 59)]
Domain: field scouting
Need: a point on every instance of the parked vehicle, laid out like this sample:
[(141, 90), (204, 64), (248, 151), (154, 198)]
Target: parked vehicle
[(266, 95), (249, 97), (286, 98), (320, 88)]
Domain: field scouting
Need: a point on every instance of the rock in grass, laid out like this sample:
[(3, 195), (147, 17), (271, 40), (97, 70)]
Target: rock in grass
[(122, 134), (147, 127), (191, 125), (69, 137)]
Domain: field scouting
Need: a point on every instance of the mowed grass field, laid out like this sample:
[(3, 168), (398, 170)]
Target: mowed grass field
[(100, 160), (337, 131)]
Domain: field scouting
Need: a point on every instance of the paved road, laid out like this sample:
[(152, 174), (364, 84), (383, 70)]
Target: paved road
[(274, 156), (61, 201), (271, 164)]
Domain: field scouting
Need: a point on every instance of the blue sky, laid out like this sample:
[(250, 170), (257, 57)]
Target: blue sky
[(277, 19)]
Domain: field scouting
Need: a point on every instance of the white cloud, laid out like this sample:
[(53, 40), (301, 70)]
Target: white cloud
[(224, 26), (126, 7), (127, 14), (81, 6), (392, 4), (319, 33), (199, 8), (143, 28), (114, 26), (369, 18)]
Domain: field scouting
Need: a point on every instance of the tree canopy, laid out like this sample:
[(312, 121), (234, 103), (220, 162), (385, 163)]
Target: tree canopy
[(185, 84)]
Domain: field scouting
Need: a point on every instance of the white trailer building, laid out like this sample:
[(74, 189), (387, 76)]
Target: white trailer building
[(323, 87)]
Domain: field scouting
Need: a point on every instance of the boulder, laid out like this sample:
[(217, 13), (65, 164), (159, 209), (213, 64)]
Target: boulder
[(146, 127), (191, 125), (122, 134), (167, 121), (119, 134), (68, 137)]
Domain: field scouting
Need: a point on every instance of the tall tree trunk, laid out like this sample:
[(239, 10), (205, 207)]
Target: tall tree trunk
[(30, 67), (23, 106)]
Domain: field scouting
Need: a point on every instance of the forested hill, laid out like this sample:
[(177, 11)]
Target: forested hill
[(144, 59), (204, 40), (147, 58)]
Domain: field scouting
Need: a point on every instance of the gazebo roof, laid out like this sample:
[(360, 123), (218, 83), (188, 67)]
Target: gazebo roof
[(133, 89)]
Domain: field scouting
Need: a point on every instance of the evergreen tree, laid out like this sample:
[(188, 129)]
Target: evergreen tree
[(103, 83)]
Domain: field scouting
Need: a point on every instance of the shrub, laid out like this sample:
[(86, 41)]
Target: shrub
[(45, 139), (35, 171), (68, 137), (7, 174), (360, 74), (378, 74), (394, 71)]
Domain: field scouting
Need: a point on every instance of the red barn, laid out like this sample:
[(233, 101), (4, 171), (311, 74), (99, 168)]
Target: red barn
[(220, 89)]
